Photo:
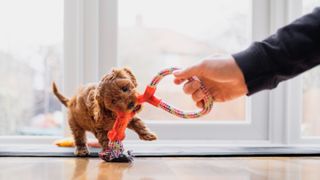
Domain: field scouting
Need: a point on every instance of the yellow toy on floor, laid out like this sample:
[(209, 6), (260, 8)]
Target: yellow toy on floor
[(69, 142)]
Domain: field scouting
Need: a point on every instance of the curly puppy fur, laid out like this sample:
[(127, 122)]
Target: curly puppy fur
[(93, 108)]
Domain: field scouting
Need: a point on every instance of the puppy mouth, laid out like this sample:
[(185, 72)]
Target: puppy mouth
[(137, 108)]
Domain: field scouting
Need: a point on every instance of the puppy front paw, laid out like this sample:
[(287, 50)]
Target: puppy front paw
[(81, 151), (148, 137)]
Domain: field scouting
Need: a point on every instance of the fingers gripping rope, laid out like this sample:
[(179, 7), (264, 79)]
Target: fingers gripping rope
[(149, 97)]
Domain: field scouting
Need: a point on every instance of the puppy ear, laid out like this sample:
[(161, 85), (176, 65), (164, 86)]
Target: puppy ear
[(110, 76), (98, 106), (105, 79), (132, 77)]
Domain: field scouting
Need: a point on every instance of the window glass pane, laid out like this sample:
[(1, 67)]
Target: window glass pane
[(31, 36), (163, 33), (311, 89), (309, 5)]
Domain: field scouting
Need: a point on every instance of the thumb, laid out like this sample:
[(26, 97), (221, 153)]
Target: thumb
[(187, 73)]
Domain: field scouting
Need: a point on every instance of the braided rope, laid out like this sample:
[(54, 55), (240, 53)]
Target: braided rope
[(115, 148), (115, 153), (208, 101)]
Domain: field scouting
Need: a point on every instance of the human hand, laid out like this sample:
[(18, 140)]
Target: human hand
[(220, 74)]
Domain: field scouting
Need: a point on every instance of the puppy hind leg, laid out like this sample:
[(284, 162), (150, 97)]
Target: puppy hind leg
[(80, 140)]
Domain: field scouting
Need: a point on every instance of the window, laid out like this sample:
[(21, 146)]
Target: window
[(76, 41), (309, 5), (31, 36), (311, 90), (99, 35), (153, 35)]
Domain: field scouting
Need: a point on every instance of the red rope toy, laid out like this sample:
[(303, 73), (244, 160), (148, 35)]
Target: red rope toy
[(115, 151)]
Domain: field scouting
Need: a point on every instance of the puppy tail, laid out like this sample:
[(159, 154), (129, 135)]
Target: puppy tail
[(56, 92)]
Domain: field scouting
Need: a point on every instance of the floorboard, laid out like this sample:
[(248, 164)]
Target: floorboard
[(245, 168)]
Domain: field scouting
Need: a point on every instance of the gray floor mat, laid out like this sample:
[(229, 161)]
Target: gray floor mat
[(52, 151)]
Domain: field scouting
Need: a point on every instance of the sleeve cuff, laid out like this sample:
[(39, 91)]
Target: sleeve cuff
[(255, 68)]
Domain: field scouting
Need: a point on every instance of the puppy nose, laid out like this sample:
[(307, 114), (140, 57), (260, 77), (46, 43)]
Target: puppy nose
[(130, 105)]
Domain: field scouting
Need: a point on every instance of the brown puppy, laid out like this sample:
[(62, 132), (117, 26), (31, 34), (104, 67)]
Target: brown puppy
[(93, 108)]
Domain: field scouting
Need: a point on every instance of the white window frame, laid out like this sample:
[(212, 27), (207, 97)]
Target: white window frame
[(94, 45), (90, 50), (286, 101)]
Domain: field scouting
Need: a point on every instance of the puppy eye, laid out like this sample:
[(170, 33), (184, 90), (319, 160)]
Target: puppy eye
[(125, 88), (113, 101)]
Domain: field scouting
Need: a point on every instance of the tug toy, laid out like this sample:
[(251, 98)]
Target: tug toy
[(115, 150), (149, 97)]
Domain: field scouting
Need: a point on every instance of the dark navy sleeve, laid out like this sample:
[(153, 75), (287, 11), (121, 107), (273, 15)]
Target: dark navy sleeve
[(292, 50)]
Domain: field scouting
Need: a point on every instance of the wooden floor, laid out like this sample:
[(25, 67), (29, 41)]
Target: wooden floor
[(162, 168)]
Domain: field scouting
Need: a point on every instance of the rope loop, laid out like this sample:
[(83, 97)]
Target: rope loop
[(149, 97)]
